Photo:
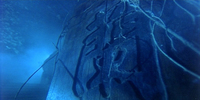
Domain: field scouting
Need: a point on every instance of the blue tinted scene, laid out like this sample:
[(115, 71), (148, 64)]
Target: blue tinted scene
[(99, 49)]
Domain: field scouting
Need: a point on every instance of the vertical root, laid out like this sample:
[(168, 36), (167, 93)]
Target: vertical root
[(171, 41)]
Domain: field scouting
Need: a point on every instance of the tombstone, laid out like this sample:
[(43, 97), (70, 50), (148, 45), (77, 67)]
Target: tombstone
[(128, 50)]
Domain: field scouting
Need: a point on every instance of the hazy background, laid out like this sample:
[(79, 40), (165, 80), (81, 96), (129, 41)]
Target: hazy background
[(28, 29)]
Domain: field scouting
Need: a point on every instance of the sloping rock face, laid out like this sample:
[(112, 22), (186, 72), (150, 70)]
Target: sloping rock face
[(128, 50)]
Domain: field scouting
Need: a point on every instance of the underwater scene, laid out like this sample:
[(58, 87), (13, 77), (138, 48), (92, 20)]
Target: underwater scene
[(99, 49)]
